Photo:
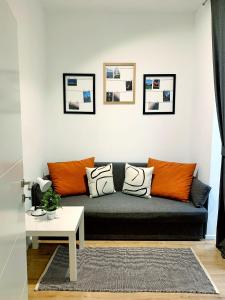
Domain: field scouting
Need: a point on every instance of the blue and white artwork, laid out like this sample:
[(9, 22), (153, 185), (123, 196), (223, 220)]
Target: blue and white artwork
[(72, 81), (109, 73), (166, 96), (148, 84), (87, 96)]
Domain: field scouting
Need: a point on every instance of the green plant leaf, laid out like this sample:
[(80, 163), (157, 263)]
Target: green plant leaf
[(50, 200)]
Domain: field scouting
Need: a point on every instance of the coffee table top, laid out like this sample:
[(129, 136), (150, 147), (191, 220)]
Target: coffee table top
[(67, 220)]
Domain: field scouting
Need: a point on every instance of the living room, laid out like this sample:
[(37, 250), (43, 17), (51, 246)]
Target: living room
[(172, 37)]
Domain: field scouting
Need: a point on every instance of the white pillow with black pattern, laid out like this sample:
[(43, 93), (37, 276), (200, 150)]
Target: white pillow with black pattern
[(137, 181), (100, 181)]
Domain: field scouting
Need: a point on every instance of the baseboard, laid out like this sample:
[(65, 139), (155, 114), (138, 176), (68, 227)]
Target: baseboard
[(210, 237)]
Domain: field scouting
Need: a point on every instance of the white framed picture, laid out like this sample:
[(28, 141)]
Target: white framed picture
[(119, 83), (159, 93), (79, 93)]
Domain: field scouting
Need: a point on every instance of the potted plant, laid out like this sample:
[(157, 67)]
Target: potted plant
[(50, 202)]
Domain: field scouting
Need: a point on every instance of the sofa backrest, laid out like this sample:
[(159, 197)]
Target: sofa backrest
[(119, 172), (118, 176)]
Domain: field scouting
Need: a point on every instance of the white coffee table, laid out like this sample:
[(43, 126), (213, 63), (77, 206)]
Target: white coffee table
[(66, 223)]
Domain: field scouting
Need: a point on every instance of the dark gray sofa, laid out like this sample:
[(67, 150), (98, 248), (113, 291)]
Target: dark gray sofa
[(123, 217)]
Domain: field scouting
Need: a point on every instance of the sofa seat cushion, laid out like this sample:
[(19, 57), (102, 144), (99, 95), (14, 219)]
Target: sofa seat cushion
[(131, 207)]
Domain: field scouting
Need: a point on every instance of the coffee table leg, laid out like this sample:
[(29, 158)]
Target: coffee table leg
[(72, 257), (81, 231), (35, 243)]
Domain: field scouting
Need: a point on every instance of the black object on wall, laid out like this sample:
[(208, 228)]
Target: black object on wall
[(218, 38)]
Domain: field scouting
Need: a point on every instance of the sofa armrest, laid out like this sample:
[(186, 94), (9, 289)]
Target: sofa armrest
[(199, 193), (36, 194)]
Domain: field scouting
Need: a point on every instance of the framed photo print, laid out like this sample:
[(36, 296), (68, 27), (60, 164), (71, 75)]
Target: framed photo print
[(119, 83), (79, 93), (159, 93)]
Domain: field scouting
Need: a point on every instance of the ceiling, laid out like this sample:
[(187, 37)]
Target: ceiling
[(121, 6)]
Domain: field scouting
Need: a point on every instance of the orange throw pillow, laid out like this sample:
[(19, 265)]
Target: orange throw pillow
[(171, 179), (69, 178)]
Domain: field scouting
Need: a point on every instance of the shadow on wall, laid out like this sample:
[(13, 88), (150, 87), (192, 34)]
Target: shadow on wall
[(89, 35)]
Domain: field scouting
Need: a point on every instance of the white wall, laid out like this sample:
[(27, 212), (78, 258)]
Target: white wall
[(203, 97), (159, 43), (205, 133), (214, 180), (32, 66), (82, 42)]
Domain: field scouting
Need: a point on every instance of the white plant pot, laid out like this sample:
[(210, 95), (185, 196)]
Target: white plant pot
[(51, 214)]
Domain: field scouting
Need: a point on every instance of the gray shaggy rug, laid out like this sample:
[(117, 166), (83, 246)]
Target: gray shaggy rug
[(167, 270)]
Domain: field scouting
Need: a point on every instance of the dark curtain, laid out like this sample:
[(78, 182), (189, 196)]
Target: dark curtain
[(218, 39)]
